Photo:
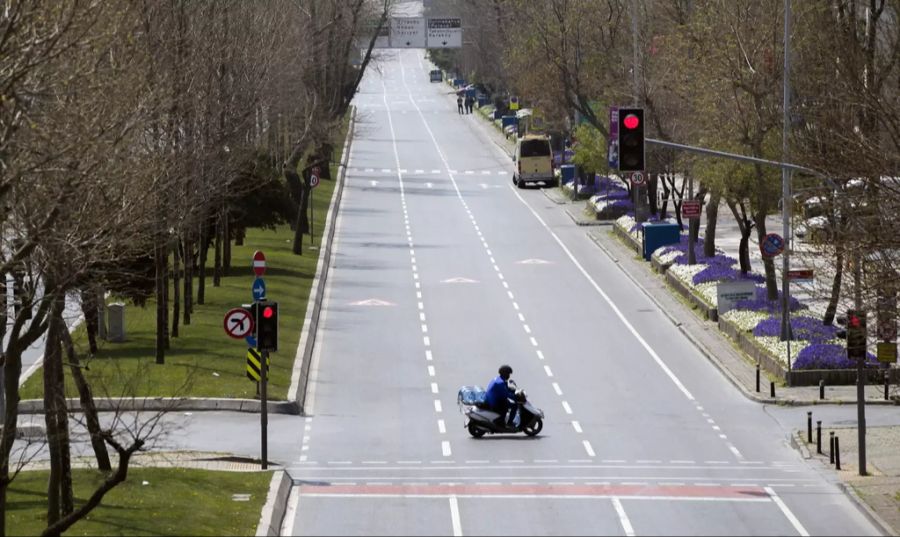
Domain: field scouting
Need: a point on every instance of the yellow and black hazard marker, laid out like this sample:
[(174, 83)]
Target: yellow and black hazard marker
[(253, 361)]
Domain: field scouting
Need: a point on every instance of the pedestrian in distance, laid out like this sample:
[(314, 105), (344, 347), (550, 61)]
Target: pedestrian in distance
[(459, 104), (470, 104)]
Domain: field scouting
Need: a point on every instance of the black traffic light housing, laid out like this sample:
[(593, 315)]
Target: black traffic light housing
[(631, 139), (266, 325), (251, 308), (856, 334)]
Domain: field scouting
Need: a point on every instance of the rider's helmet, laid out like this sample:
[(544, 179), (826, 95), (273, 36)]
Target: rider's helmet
[(505, 371)]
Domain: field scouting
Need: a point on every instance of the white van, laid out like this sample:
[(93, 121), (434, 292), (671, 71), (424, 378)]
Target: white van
[(534, 161)]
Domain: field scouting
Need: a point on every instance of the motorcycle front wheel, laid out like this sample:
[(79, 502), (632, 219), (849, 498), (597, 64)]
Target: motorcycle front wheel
[(535, 427), (475, 431)]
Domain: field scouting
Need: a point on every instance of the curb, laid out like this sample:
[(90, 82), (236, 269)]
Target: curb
[(276, 505), (199, 404), (303, 357)]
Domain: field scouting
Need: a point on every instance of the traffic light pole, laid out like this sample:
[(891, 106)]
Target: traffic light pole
[(263, 414), (786, 335)]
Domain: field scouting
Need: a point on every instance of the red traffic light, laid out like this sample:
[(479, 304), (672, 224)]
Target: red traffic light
[(631, 121), (853, 321), (268, 312)]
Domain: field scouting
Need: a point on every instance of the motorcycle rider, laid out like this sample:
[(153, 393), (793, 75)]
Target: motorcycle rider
[(499, 395)]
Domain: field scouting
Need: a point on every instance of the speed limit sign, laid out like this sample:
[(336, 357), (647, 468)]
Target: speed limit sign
[(313, 181), (637, 178)]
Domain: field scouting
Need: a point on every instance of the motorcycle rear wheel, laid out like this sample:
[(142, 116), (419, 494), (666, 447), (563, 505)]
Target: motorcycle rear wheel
[(475, 431), (535, 427)]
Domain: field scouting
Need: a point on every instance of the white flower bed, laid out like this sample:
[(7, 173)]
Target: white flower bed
[(709, 292), (625, 223), (667, 257), (778, 348), (686, 273), (745, 320)]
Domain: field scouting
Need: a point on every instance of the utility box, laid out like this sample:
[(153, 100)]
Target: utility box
[(116, 322), (659, 234), (567, 173), (507, 121)]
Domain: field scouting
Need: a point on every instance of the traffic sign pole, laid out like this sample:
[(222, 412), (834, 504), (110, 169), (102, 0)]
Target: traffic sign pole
[(263, 415)]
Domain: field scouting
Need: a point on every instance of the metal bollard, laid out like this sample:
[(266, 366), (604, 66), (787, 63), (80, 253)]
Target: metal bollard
[(757, 378), (809, 427), (887, 385), (819, 437), (837, 453), (821, 389), (831, 447), (772, 389)]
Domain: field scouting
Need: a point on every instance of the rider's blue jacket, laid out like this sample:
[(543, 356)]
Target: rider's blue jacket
[(499, 393)]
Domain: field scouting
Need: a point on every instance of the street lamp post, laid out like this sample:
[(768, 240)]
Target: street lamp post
[(786, 190)]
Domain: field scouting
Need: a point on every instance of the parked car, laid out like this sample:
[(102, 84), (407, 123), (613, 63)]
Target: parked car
[(435, 75)]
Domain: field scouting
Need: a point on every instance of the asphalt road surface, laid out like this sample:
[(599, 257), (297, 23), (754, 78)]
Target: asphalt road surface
[(442, 272)]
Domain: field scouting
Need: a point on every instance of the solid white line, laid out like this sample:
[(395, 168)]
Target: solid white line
[(454, 517), (568, 409), (623, 517), (547, 369), (589, 449), (445, 448), (437, 406), (557, 388), (787, 512), (576, 426), (441, 427), (609, 301), (287, 526)]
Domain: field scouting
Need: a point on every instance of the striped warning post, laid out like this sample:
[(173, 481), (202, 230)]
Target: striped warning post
[(253, 360)]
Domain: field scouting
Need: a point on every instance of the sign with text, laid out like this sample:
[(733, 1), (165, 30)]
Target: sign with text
[(887, 352), (801, 275), (408, 32), (729, 293), (444, 32), (691, 209)]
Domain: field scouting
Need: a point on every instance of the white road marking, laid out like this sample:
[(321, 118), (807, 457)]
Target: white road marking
[(516, 305), (431, 371), (548, 371), (534, 342), (566, 407), (421, 315), (521, 317), (424, 328), (434, 387), (421, 305), (427, 341), (623, 517), (454, 517), (437, 406), (527, 329), (445, 448), (428, 355), (441, 427), (589, 449), (787, 512), (577, 427), (557, 389), (540, 355)]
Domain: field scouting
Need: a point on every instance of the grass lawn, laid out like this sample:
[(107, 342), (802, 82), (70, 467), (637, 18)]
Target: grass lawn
[(203, 361), (175, 501)]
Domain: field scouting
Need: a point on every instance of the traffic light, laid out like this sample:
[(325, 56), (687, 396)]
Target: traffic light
[(267, 326), (631, 139), (856, 334), (251, 308)]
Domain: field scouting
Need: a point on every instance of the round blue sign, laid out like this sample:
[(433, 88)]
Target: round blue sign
[(772, 245)]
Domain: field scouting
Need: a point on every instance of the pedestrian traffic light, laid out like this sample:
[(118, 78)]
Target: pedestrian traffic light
[(267, 326), (856, 334), (631, 139)]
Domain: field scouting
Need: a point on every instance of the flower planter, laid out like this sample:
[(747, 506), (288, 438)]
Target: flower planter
[(803, 377), (709, 312), (659, 266), (628, 239)]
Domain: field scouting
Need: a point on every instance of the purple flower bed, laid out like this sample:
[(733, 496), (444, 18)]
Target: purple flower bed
[(613, 195), (621, 204), (721, 272), (828, 356), (803, 327), (607, 183), (761, 303)]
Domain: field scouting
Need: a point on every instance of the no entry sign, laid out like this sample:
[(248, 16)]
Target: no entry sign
[(259, 263)]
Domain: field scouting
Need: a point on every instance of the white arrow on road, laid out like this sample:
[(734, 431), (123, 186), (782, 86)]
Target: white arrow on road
[(428, 185), (373, 302), (459, 280), (374, 183), (534, 262)]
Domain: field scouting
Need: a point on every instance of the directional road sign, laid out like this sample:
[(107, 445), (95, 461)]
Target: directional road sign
[(444, 32), (238, 323), (259, 263), (408, 32), (259, 289)]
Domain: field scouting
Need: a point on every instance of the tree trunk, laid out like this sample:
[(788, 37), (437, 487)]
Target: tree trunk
[(239, 236), (188, 263), (831, 309), (226, 242), (59, 499), (202, 254), (176, 288), (302, 223), (768, 262), (217, 266), (87, 404), (91, 311), (712, 216), (160, 262), (165, 306)]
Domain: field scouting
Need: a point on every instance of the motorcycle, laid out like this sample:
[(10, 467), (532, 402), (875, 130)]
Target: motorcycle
[(481, 421)]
